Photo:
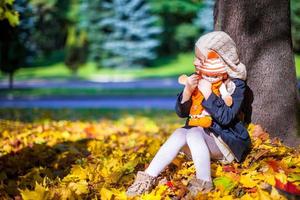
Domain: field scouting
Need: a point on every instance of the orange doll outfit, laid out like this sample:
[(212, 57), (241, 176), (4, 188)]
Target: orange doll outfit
[(197, 118), (213, 66)]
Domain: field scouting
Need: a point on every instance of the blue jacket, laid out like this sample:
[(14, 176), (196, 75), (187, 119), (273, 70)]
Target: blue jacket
[(225, 119)]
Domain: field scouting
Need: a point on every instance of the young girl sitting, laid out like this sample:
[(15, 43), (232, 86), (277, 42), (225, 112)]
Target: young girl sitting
[(212, 129)]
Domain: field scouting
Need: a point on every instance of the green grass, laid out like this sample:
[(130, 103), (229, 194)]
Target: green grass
[(84, 114), (297, 63), (170, 66), (36, 92)]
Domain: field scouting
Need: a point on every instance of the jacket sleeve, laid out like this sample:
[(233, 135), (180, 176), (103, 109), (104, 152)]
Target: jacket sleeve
[(222, 113), (183, 110)]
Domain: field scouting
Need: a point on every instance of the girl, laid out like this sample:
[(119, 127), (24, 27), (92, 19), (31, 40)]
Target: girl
[(225, 138)]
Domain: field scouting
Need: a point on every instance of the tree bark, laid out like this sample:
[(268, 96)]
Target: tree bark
[(262, 32)]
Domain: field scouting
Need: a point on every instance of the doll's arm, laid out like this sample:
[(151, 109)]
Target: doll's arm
[(182, 109), (222, 113), (226, 96), (184, 102)]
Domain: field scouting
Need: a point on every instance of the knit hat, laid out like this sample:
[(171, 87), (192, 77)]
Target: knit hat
[(222, 43), (213, 65)]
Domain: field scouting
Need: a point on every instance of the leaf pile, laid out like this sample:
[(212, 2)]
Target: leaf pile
[(99, 160)]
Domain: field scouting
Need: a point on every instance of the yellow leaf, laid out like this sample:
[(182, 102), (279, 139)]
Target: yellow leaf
[(248, 197), (80, 187), (275, 195), (219, 171), (263, 195), (247, 181), (106, 194), (281, 177), (119, 195), (65, 193), (295, 178), (39, 193), (227, 197), (269, 178), (77, 173)]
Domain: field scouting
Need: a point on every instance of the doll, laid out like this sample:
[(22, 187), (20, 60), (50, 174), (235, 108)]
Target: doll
[(210, 102), (198, 115)]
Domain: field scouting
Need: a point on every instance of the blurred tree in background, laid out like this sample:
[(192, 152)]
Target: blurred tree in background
[(117, 33), (75, 50), (6, 12), (187, 33), (177, 18), (50, 31), (91, 23), (205, 16), (121, 33), (17, 49), (111, 33), (76, 47), (295, 19), (129, 33)]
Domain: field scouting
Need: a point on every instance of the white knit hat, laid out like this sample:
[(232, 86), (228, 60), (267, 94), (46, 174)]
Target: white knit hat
[(222, 43)]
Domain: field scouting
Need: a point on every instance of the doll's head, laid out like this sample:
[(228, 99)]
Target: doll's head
[(222, 44), (212, 68)]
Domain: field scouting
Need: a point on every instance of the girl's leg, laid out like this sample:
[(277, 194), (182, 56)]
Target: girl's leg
[(200, 153), (167, 152)]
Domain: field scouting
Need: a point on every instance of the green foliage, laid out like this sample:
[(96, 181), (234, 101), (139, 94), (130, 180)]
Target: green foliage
[(295, 22), (205, 18), (89, 22), (51, 26), (176, 7), (6, 12), (185, 35), (173, 14), (76, 53), (297, 63), (76, 45), (15, 45)]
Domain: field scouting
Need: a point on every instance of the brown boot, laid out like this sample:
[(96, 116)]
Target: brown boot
[(197, 185), (143, 183)]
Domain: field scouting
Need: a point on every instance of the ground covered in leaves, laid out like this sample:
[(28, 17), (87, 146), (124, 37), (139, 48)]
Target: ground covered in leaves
[(98, 159)]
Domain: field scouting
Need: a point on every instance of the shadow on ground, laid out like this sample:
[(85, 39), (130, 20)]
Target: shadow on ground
[(22, 168)]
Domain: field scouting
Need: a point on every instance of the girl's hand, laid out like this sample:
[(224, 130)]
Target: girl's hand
[(204, 87), (192, 82)]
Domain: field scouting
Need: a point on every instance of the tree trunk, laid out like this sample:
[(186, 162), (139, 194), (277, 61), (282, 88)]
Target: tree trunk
[(74, 72), (11, 80), (262, 32)]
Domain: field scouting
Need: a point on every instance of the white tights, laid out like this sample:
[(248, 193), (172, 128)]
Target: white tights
[(201, 145)]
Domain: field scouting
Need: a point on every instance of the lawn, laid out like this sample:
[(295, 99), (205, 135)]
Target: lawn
[(95, 154), (163, 67), (92, 92), (170, 66), (297, 62)]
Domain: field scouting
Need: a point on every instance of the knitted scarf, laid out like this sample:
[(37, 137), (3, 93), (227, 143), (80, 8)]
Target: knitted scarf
[(197, 108)]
